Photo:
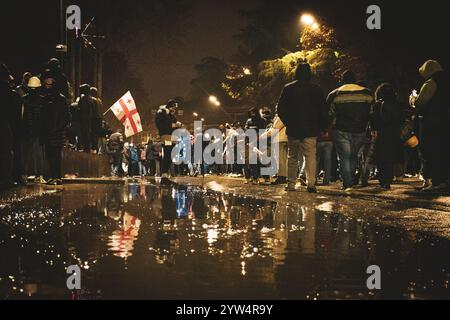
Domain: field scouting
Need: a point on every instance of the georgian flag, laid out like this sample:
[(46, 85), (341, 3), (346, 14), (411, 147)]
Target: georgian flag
[(125, 110)]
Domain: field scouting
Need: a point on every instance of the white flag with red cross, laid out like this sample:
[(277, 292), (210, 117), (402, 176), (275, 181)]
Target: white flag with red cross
[(125, 110)]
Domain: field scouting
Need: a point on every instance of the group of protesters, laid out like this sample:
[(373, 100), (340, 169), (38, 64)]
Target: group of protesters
[(352, 135), (39, 117)]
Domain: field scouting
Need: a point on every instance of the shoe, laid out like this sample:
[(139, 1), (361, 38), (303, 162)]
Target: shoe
[(426, 185), (312, 189), (439, 188), (289, 187), (302, 181), (279, 180)]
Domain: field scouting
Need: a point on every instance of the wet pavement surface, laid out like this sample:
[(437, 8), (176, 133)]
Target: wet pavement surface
[(141, 241)]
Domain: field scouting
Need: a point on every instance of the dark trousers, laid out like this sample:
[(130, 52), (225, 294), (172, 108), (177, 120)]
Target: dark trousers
[(167, 159), (386, 173), (53, 155)]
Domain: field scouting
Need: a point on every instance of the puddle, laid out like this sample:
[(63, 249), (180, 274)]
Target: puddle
[(146, 242)]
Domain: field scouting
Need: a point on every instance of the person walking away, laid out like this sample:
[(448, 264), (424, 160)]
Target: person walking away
[(33, 152), (142, 160), (350, 107), (282, 161), (114, 147), (55, 121), (433, 104), (157, 149), (86, 105), (166, 122), (387, 120), (302, 109)]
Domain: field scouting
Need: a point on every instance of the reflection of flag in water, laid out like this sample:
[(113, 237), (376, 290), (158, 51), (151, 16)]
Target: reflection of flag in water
[(122, 241), (125, 110)]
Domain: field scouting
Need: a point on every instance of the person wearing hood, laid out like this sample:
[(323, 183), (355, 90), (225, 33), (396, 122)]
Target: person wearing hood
[(302, 109), (166, 122), (54, 71), (433, 105), (54, 123)]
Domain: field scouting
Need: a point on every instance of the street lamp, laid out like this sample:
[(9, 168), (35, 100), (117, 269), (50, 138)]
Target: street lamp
[(308, 20), (247, 71), (195, 114), (214, 100)]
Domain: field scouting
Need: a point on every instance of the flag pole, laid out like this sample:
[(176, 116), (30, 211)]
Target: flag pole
[(106, 112)]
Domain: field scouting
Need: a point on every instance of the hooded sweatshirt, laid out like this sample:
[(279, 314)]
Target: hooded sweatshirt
[(433, 100)]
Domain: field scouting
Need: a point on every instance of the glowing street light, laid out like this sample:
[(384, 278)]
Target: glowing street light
[(247, 71), (202, 119), (214, 100), (195, 114), (315, 26), (308, 20)]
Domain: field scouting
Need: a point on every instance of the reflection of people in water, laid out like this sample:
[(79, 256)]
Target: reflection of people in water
[(114, 204), (167, 240), (122, 240), (199, 206)]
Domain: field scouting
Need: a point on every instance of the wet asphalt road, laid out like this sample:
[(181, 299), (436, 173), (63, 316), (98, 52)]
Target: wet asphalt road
[(147, 242)]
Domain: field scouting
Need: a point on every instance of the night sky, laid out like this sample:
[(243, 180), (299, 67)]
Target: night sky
[(410, 33)]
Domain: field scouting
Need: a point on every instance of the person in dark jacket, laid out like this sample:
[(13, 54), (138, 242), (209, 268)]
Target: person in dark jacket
[(350, 107), (302, 109), (55, 120), (387, 120), (86, 106), (114, 147), (55, 72), (33, 152), (254, 122), (166, 122), (433, 105)]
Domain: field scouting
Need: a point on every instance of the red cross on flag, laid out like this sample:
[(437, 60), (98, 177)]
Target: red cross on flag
[(125, 110)]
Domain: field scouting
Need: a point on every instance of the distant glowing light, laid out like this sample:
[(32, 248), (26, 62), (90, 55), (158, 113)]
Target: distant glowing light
[(307, 19), (315, 26), (195, 114), (247, 71)]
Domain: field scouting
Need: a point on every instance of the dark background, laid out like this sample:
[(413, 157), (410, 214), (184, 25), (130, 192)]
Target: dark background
[(155, 46)]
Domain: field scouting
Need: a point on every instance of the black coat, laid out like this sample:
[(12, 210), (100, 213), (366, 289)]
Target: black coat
[(387, 120), (303, 110), (33, 105), (55, 119)]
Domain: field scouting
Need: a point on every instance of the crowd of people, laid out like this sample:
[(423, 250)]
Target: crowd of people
[(40, 118), (352, 135)]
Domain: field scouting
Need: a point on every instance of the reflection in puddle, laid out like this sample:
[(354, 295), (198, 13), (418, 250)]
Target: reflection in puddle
[(140, 241)]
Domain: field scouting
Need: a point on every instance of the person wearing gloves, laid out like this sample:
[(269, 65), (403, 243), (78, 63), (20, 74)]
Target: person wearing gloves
[(432, 104)]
